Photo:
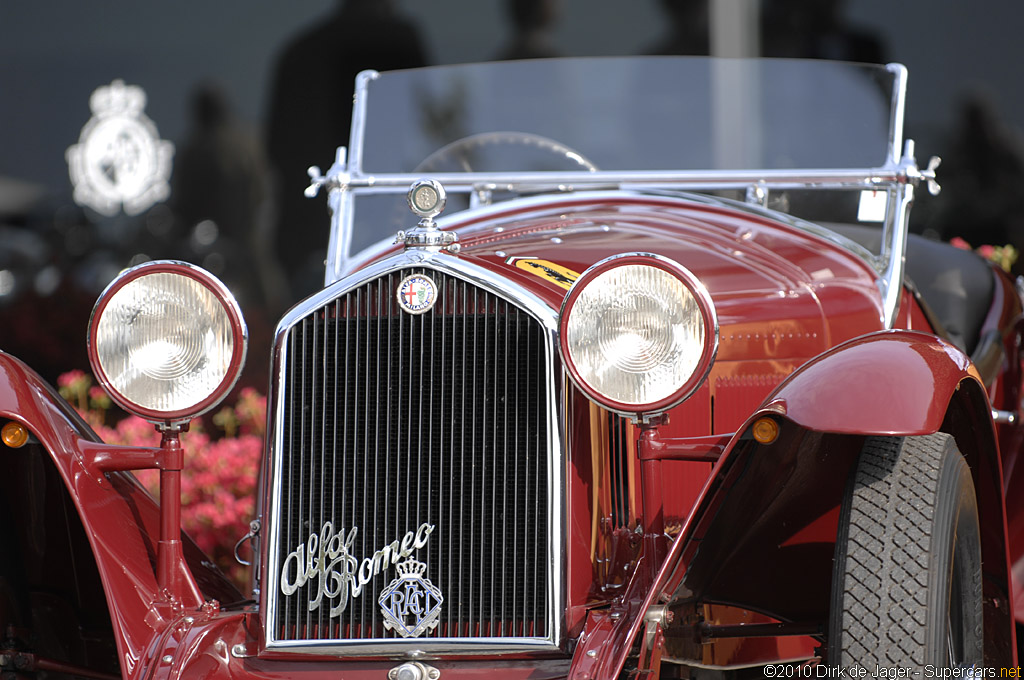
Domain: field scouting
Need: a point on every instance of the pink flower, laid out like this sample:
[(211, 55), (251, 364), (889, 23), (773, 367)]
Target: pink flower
[(958, 242), (218, 482), (151, 480), (99, 399), (74, 386), (251, 412), (72, 377), (134, 431)]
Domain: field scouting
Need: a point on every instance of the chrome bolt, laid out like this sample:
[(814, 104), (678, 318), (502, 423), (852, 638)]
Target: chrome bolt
[(414, 670)]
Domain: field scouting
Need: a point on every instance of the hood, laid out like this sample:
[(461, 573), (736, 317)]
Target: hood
[(778, 290)]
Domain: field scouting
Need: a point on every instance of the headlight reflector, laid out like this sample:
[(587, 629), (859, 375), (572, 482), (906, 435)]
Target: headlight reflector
[(167, 341), (638, 333)]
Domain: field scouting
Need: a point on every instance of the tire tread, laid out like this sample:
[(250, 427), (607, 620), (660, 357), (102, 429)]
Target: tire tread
[(890, 524)]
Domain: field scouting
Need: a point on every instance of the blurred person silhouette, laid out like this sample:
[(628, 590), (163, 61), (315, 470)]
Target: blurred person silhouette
[(688, 29), (531, 22), (310, 114), (981, 175), (221, 195), (815, 29)]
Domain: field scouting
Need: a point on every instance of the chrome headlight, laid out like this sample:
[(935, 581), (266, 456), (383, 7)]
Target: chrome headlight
[(167, 341), (638, 333)]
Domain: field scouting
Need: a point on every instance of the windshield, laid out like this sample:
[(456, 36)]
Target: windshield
[(659, 113), (607, 117)]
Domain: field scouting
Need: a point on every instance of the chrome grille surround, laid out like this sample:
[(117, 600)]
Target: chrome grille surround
[(549, 634)]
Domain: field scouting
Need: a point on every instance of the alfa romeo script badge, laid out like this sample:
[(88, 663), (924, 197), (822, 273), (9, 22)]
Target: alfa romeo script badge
[(411, 604), (120, 160), (417, 293)]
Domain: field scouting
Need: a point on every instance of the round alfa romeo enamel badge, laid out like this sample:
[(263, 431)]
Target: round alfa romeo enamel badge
[(417, 293)]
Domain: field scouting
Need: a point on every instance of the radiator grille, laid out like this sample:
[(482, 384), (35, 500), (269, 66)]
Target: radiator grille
[(393, 420)]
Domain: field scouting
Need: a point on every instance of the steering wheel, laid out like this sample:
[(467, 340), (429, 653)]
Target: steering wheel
[(458, 155)]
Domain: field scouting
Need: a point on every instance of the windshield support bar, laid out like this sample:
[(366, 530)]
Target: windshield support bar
[(863, 178), (898, 180)]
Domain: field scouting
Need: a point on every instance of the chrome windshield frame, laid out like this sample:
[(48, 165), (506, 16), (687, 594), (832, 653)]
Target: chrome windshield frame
[(897, 178)]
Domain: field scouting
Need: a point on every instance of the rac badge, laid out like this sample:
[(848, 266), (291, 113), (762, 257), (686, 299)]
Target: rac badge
[(417, 293), (411, 604), (119, 160)]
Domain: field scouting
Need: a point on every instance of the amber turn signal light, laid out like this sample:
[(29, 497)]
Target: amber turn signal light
[(765, 430), (14, 435)]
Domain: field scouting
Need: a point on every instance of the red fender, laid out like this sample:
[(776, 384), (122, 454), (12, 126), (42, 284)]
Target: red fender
[(120, 518), (899, 383), (862, 386)]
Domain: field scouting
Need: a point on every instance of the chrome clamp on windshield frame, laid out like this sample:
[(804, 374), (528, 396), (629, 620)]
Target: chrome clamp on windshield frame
[(427, 199), (339, 201), (893, 256), (337, 176)]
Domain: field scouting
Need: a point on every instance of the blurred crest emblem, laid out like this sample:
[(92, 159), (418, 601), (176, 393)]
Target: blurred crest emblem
[(120, 162), (411, 604), (417, 293)]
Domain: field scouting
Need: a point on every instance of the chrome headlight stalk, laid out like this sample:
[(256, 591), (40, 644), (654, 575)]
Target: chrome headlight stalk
[(167, 342)]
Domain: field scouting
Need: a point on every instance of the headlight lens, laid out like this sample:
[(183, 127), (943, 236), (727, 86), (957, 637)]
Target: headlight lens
[(638, 333), (167, 341)]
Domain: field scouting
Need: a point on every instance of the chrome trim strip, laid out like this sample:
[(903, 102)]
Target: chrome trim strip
[(451, 647), (894, 249), (547, 317), (339, 203), (357, 132), (897, 215), (339, 199), (899, 100), (574, 180)]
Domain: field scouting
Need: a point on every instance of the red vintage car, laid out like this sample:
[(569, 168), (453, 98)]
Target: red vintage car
[(667, 389)]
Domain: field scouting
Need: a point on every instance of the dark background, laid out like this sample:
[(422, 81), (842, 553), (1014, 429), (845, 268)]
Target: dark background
[(54, 53)]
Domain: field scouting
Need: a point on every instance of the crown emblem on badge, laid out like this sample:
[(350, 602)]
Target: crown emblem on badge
[(411, 569), (411, 604), (117, 98)]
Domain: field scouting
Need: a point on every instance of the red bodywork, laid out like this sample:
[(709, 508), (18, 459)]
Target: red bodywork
[(801, 341)]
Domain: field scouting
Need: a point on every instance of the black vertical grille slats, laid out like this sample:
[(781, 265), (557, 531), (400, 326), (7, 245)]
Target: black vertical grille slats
[(618, 466), (392, 420)]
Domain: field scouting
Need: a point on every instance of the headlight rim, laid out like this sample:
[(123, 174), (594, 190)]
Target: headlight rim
[(227, 301), (643, 411)]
